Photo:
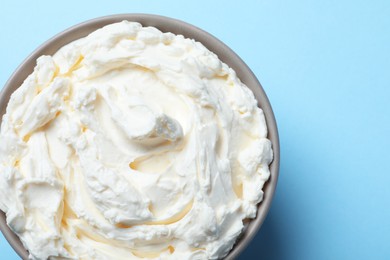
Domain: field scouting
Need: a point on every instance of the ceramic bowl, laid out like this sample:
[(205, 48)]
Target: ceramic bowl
[(165, 24)]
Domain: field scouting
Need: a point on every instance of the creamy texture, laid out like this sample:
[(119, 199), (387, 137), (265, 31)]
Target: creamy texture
[(132, 143)]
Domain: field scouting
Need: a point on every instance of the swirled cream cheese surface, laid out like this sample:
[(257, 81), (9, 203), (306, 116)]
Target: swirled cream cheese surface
[(132, 143)]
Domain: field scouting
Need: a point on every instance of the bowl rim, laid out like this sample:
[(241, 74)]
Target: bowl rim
[(165, 24)]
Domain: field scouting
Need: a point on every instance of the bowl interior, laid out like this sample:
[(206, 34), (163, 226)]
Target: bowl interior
[(165, 24)]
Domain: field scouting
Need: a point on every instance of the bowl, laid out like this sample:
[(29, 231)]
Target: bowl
[(164, 24)]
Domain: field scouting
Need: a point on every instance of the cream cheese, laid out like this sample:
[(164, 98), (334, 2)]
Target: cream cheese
[(132, 143)]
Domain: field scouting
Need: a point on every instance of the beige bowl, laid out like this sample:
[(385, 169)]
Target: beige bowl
[(165, 24)]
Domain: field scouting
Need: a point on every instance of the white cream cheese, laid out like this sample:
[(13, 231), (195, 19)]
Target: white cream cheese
[(132, 143)]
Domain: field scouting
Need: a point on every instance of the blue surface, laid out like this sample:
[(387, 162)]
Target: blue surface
[(325, 66)]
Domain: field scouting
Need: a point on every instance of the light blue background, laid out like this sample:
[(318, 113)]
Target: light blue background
[(325, 66)]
